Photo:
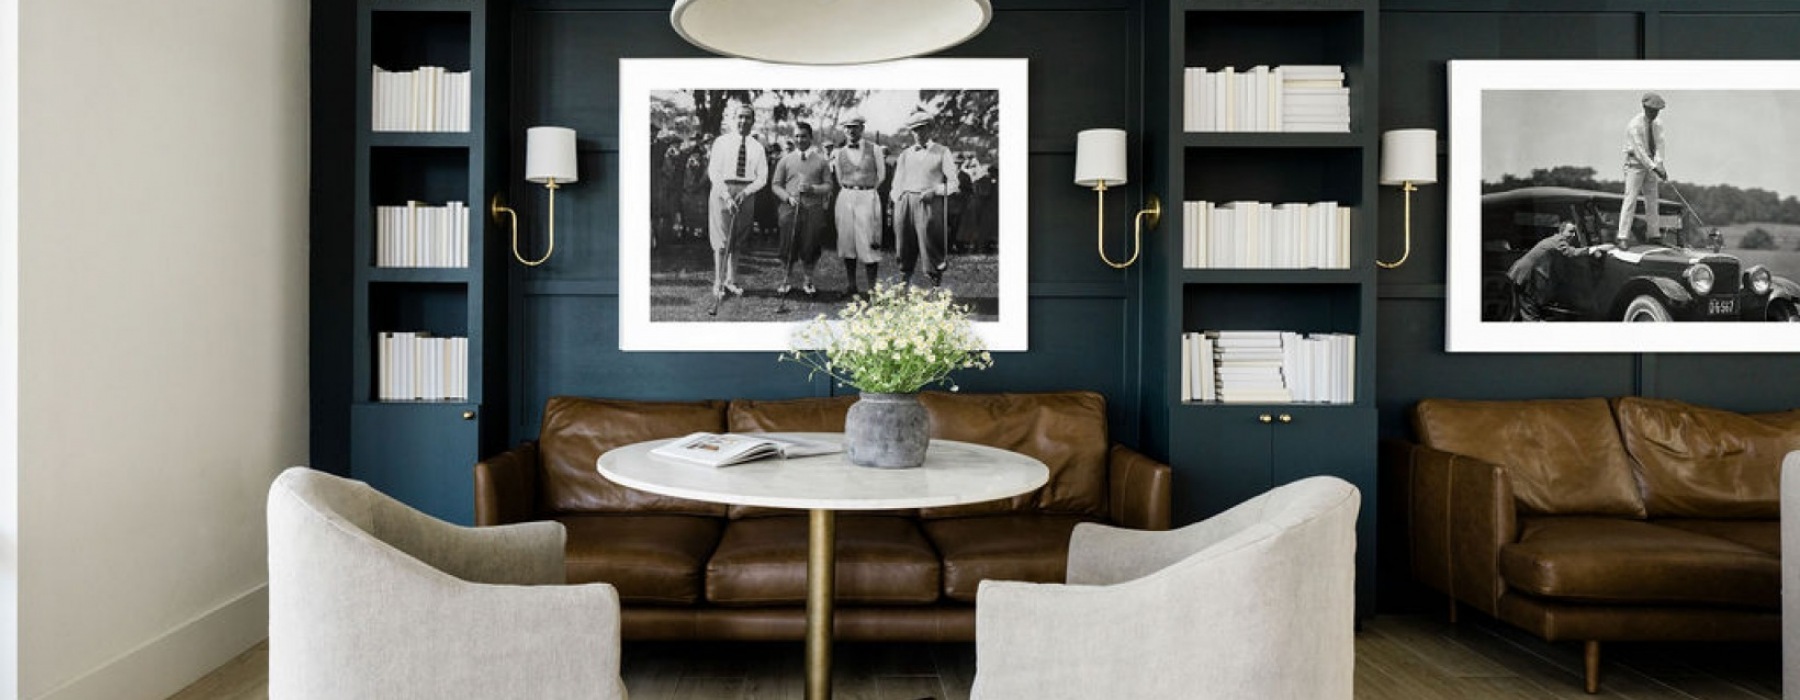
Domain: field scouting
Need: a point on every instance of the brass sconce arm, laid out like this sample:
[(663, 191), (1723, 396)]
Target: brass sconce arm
[(1405, 252), (1152, 212), (496, 209)]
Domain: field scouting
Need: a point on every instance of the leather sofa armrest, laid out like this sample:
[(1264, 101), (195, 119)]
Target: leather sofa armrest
[(506, 486), (1139, 489), (1460, 512)]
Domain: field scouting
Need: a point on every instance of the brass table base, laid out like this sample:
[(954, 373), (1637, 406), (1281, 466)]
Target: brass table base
[(821, 574)]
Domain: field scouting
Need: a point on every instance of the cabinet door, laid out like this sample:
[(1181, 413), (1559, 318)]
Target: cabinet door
[(421, 453), (1337, 441), (1221, 458)]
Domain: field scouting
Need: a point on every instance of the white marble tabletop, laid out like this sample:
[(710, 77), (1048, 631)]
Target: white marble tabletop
[(954, 473)]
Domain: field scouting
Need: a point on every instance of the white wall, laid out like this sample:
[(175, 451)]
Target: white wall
[(162, 298), (9, 348)]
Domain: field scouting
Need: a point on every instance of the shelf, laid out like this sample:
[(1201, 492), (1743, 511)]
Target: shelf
[(419, 139), (419, 5), (426, 275), (1282, 6), (1287, 407), (419, 402), (1270, 276), (1270, 139)]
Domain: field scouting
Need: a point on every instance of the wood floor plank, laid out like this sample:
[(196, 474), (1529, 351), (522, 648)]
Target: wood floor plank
[(1445, 647), (1397, 658)]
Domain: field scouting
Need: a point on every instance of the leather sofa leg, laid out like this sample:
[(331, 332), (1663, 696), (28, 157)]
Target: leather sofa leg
[(1590, 658)]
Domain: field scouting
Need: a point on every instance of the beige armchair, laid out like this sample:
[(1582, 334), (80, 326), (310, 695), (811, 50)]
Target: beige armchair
[(1256, 602), (369, 598)]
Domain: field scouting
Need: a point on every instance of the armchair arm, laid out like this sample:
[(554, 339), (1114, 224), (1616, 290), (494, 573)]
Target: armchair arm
[(1460, 512), (1214, 612), (521, 553), (506, 486), (1138, 489), (434, 635)]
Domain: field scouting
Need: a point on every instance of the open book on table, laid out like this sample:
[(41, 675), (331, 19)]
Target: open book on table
[(718, 450)]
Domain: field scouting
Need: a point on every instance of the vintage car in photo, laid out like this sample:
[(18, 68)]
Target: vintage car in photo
[(1673, 274)]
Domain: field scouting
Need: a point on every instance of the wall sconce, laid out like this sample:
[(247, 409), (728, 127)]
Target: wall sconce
[(821, 32), (1100, 163), (1408, 158), (549, 161)]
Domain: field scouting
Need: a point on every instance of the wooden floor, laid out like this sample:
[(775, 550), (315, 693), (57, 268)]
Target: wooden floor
[(1397, 658)]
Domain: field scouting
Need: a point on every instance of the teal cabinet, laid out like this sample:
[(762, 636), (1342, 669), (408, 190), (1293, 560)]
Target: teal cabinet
[(419, 453)]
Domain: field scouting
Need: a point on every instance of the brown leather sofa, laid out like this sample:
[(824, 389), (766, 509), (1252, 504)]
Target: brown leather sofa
[(691, 570), (1633, 519)]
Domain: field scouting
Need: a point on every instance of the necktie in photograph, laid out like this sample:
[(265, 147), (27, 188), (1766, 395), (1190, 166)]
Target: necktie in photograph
[(742, 145), (1650, 136)]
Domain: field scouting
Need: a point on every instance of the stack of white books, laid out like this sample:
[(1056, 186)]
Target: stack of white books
[(1320, 367), (1260, 98), (1313, 98), (1261, 235), (421, 235), (1268, 367), (413, 366), (427, 99)]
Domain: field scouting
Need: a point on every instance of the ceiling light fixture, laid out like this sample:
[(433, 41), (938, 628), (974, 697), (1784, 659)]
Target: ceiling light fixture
[(828, 32)]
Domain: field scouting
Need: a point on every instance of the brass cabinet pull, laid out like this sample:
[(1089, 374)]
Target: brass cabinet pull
[(1285, 418), (1265, 418), (468, 415)]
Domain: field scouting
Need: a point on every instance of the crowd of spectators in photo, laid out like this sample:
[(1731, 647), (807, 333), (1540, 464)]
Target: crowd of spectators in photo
[(679, 195)]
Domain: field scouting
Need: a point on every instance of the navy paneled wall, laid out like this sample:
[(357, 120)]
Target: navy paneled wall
[(1086, 71), (1418, 38)]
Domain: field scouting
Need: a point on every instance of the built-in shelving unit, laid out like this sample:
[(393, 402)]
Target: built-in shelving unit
[(1225, 453), (421, 450)]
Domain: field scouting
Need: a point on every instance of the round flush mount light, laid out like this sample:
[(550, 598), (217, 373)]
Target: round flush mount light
[(828, 32)]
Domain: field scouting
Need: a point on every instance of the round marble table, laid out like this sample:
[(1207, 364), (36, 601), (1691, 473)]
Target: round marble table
[(954, 473)]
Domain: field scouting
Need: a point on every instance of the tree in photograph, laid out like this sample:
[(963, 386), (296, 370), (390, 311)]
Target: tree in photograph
[(1757, 239)]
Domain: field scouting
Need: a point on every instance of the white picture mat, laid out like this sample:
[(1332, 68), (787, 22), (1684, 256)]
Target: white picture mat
[(1464, 329), (638, 77)]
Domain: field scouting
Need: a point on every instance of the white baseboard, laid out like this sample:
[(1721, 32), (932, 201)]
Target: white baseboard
[(164, 665)]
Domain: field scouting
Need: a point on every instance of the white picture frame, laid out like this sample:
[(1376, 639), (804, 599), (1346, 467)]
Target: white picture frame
[(1513, 124), (656, 299)]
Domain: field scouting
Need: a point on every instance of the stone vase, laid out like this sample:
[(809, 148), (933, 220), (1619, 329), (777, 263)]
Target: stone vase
[(887, 431)]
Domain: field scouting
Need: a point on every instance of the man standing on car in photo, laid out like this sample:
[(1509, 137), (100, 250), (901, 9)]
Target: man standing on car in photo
[(1644, 172)]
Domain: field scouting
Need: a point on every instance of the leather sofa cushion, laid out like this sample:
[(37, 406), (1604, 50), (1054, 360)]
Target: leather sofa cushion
[(1699, 462), (1065, 430), (808, 415), (880, 561), (1564, 456), (1761, 535), (650, 559), (1031, 548), (577, 431), (1614, 560)]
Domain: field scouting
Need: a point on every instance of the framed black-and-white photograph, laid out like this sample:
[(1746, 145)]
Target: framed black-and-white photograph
[(755, 197), (1624, 206)]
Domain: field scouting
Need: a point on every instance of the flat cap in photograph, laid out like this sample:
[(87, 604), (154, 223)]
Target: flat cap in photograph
[(920, 117), (1653, 100), (852, 118)]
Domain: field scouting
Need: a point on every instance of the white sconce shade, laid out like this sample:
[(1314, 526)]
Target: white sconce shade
[(550, 154), (1409, 155), (828, 32), (1100, 158)]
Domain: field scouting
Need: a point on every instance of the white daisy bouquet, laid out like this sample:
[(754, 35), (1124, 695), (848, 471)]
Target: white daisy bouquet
[(897, 340)]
